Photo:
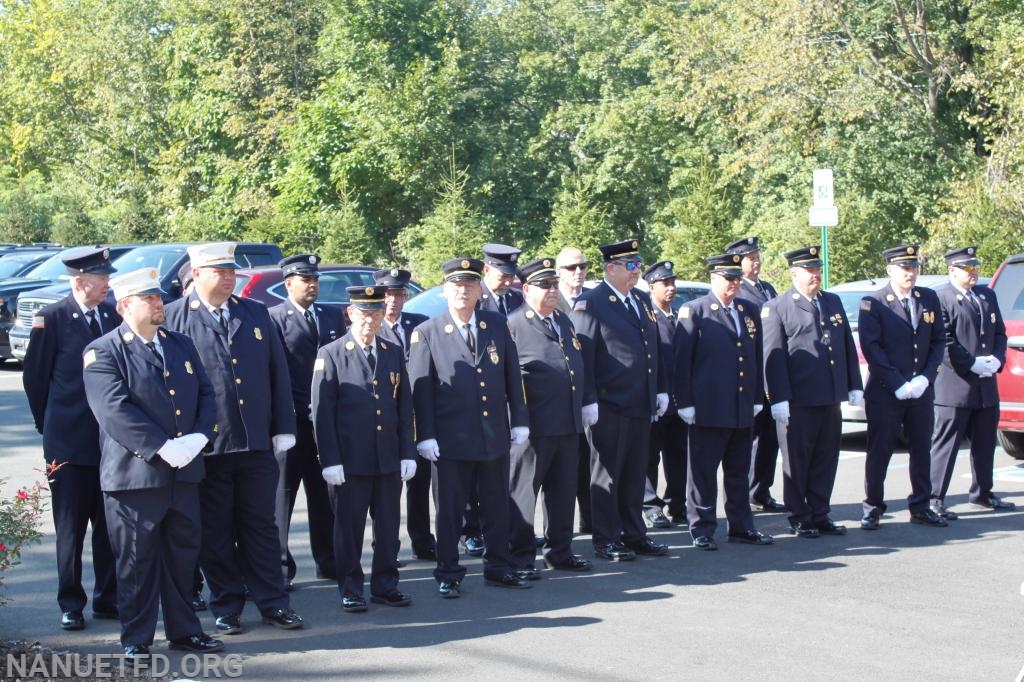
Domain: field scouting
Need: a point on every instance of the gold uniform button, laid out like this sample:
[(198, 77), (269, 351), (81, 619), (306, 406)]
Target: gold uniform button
[(179, 433), (648, 356), (234, 361), (482, 384), (741, 389), (483, 398), (238, 381), (379, 427), (378, 413), (177, 413), (832, 362), (915, 345), (485, 413), (374, 382), (741, 373), (241, 401), (376, 396), (740, 358), (170, 392), (574, 388), (479, 371), (167, 374), (572, 373), (648, 371), (739, 345)]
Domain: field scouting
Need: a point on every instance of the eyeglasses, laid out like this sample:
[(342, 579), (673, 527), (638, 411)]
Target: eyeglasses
[(967, 268), (544, 284), (573, 267), (631, 265), (730, 278)]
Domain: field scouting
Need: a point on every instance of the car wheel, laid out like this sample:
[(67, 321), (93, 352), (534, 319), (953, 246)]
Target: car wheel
[(1013, 443)]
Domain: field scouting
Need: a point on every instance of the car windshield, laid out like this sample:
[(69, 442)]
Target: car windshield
[(1009, 289), (51, 268), (11, 265), (161, 257)]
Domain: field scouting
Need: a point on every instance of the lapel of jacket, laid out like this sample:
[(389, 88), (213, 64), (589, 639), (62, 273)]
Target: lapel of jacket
[(619, 305), (893, 301), (235, 322), (198, 309), (136, 347)]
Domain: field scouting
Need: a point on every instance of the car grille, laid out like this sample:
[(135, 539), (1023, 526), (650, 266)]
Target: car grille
[(27, 308)]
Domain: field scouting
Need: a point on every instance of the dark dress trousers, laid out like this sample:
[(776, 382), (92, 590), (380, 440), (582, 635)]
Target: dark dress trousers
[(466, 403), (363, 421), (624, 374), (301, 342), (669, 435), (241, 548), (765, 448), (552, 367), (719, 374), (966, 404), (583, 466), (810, 360), (417, 489), (52, 376), (897, 350), (141, 399)]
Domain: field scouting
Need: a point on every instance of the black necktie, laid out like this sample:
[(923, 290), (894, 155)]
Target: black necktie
[(159, 358), (470, 341), (397, 329), (371, 358), (632, 308), (551, 326), (975, 301), (501, 306), (311, 322), (906, 309), (223, 319), (761, 290), (731, 312), (94, 324), (817, 311)]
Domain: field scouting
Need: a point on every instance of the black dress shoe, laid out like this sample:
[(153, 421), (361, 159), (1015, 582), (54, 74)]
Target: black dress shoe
[(392, 598), (705, 542), (928, 518), (449, 589), (136, 652), (575, 563), (539, 541), (938, 508), (751, 537), (200, 643), (830, 527), (657, 519), (769, 505), (648, 547), (230, 624), (529, 573), (473, 545), (614, 551), (289, 586), (509, 580), (994, 503), (353, 604), (428, 554), (286, 619), (869, 522), (72, 620), (802, 529), (198, 603), (326, 574)]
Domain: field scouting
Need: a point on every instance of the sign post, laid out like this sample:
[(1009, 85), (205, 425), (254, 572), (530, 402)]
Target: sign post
[(823, 214)]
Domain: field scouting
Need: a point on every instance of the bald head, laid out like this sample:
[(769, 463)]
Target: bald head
[(572, 271)]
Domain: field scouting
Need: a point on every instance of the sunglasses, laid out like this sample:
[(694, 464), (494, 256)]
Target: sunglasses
[(967, 268), (631, 265), (545, 284), (575, 266), (730, 278)]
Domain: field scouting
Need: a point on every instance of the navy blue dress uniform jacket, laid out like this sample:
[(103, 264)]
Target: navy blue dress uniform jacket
[(406, 323), (488, 301), (466, 403), (139, 404), (623, 367), (302, 345), (718, 373), (750, 292), (362, 417), (968, 336), (249, 376), (552, 367), (52, 376), (806, 362), (895, 351), (666, 351)]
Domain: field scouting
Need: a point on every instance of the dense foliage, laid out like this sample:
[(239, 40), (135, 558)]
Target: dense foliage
[(409, 131)]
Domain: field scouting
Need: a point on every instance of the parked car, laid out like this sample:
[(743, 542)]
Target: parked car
[(44, 274), (267, 284), (20, 263), (1008, 285), (166, 258), (850, 294)]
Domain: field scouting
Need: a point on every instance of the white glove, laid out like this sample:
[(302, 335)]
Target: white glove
[(175, 452), (590, 414), (428, 450), (904, 392), (757, 409), (334, 475), (687, 414), (662, 399), (520, 434), (408, 468), (920, 385), (195, 442), (855, 398), (283, 442), (980, 366), (780, 412), (992, 364)]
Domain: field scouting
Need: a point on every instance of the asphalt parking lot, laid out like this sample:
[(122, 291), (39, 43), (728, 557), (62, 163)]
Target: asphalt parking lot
[(904, 603)]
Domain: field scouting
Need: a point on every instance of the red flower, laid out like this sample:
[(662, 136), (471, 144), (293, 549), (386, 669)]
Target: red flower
[(22, 495), (3, 547)]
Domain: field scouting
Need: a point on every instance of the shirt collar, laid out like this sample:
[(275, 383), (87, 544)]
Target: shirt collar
[(727, 307), (617, 292)]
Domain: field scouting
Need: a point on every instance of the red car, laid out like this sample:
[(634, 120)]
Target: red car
[(1008, 285), (267, 285)]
